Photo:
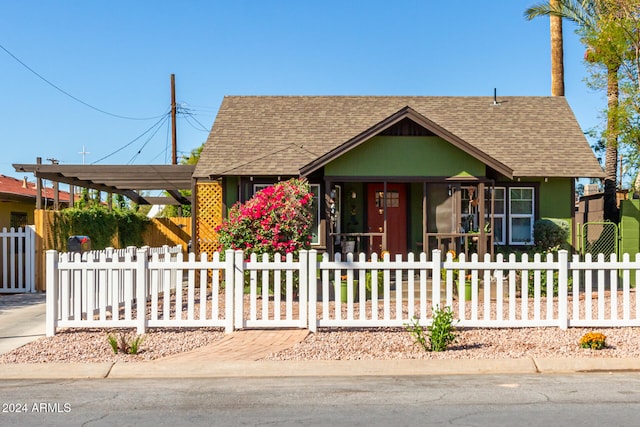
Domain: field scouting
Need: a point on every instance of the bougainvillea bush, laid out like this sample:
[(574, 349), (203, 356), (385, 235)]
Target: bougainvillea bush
[(276, 220)]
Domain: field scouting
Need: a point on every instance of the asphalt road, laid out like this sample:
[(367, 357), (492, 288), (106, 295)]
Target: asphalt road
[(483, 400)]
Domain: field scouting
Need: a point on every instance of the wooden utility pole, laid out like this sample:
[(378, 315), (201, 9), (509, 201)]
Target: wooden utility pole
[(174, 143)]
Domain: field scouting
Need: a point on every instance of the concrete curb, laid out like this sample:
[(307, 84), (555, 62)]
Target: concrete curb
[(563, 365)]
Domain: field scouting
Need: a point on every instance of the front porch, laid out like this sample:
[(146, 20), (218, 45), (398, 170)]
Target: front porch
[(410, 216)]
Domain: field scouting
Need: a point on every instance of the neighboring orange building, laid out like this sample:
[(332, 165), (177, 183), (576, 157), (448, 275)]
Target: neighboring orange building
[(18, 201)]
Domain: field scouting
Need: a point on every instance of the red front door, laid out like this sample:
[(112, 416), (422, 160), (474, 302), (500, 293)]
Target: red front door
[(396, 215)]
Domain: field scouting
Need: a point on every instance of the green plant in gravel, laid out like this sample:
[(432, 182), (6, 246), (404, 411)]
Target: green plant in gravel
[(440, 333), (124, 344), (442, 329)]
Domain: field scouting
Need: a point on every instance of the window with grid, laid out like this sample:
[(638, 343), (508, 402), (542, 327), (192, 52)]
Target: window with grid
[(499, 218), (393, 199), (521, 215)]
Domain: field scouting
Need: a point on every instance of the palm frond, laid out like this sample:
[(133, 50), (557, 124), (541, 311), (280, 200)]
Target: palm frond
[(582, 12)]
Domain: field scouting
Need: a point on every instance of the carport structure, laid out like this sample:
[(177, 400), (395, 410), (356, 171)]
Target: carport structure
[(130, 181), (127, 180)]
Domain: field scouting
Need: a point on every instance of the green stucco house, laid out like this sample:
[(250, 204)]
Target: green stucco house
[(406, 174)]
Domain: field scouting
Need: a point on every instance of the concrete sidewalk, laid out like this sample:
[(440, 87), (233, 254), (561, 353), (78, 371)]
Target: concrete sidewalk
[(22, 319), (315, 368)]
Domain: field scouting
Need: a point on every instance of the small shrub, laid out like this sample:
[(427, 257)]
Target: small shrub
[(593, 340), (550, 234), (440, 333), (442, 330), (124, 344)]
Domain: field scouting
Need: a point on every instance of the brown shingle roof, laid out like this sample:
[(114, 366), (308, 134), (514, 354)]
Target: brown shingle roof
[(280, 135)]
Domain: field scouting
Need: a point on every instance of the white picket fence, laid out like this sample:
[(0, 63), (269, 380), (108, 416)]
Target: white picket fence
[(130, 251), (17, 260), (314, 291)]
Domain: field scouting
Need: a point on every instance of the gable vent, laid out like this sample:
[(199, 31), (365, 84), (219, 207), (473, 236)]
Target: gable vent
[(406, 127)]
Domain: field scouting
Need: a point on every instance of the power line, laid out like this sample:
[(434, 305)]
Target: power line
[(71, 96), (187, 113), (200, 126), (164, 117), (199, 107), (144, 145)]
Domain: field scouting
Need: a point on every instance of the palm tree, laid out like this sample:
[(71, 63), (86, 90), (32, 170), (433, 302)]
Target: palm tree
[(585, 14)]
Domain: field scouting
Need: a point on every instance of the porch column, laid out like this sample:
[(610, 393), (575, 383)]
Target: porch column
[(482, 239), (384, 218), (329, 239), (425, 241)]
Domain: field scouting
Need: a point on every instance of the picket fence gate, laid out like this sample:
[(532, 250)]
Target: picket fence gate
[(143, 291), (17, 263)]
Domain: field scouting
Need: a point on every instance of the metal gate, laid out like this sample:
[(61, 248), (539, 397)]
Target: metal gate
[(599, 237)]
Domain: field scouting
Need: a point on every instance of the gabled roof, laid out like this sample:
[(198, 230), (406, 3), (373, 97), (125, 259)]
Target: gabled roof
[(281, 135), (13, 189), (411, 114)]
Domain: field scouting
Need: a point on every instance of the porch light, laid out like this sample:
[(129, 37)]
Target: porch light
[(354, 195)]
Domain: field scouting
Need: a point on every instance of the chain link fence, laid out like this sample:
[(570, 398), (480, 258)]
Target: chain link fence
[(599, 237)]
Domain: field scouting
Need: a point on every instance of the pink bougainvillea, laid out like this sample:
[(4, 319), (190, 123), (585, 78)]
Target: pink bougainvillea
[(277, 219)]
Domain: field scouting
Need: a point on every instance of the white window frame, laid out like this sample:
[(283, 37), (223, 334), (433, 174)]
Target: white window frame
[(259, 187), (513, 216), (502, 218)]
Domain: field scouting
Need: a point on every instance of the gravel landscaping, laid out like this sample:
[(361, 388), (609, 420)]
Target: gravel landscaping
[(336, 344), (92, 345)]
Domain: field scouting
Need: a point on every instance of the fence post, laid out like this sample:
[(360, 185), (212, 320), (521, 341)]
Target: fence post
[(435, 277), (30, 250), (303, 287), (52, 293), (238, 283), (229, 289), (312, 273), (142, 276), (563, 289)]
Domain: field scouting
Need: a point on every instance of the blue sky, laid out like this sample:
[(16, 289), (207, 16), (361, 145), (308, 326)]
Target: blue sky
[(117, 56)]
